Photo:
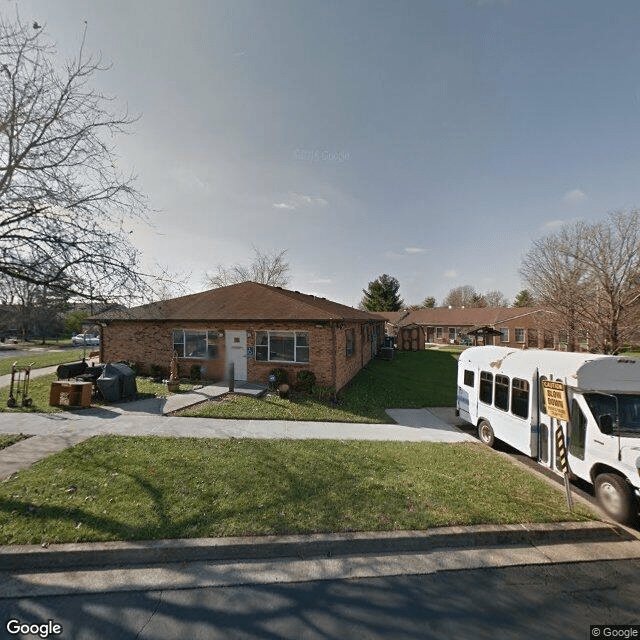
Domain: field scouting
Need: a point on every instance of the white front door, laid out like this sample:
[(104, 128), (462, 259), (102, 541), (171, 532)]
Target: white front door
[(236, 352)]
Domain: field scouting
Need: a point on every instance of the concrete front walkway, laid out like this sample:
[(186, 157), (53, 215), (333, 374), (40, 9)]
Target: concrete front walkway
[(56, 431)]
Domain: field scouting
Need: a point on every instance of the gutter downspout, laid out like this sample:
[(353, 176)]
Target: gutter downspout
[(334, 372)]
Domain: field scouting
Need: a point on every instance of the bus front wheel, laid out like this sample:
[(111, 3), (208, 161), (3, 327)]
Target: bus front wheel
[(485, 433), (616, 497)]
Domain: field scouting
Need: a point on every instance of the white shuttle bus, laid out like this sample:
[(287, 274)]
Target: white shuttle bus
[(499, 391)]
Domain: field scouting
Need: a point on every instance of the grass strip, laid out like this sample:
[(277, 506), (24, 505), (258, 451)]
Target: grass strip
[(143, 488), (6, 440)]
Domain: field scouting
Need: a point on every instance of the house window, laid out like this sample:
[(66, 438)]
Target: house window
[(486, 387), (520, 398), (504, 334), (282, 346), (439, 332), (502, 393), (351, 342), (519, 335), (195, 344), (452, 334)]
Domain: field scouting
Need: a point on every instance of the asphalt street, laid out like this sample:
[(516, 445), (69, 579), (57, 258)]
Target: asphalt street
[(550, 602)]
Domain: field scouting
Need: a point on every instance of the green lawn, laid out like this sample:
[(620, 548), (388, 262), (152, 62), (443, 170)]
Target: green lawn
[(39, 360), (412, 379), (119, 488)]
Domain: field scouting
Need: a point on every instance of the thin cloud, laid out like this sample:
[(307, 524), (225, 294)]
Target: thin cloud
[(414, 250), (574, 197), (553, 224), (451, 273), (320, 280), (298, 200)]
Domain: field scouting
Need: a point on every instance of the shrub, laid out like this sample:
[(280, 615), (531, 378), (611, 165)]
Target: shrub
[(323, 393), (281, 377), (306, 380), (135, 367), (155, 371), (195, 372)]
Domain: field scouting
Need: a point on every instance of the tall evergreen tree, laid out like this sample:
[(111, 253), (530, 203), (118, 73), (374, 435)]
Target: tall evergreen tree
[(382, 294), (524, 299)]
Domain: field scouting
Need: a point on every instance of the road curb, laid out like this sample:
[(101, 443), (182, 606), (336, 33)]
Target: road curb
[(58, 557)]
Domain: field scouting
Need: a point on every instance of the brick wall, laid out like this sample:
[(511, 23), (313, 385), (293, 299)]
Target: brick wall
[(147, 343)]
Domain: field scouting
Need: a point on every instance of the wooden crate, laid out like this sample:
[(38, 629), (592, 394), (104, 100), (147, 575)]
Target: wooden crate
[(72, 394)]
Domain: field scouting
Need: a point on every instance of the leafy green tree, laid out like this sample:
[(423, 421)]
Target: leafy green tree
[(428, 303), (382, 294), (74, 319)]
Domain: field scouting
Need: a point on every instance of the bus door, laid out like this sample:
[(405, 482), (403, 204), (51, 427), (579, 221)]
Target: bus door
[(580, 436), (545, 433)]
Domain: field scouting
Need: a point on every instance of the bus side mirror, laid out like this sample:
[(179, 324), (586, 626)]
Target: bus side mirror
[(605, 422)]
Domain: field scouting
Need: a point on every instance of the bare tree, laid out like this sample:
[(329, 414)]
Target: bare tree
[(34, 310), (611, 254), (464, 296), (558, 280), (64, 205), (589, 275), (266, 268), (495, 298)]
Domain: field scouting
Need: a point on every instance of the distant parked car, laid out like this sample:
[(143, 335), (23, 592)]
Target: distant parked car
[(86, 339)]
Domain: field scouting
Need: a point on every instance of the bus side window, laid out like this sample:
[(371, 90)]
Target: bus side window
[(520, 398), (543, 451), (468, 378), (486, 387), (502, 393), (543, 402), (577, 431)]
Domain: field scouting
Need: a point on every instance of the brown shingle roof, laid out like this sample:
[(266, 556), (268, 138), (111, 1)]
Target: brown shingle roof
[(471, 316), (244, 301)]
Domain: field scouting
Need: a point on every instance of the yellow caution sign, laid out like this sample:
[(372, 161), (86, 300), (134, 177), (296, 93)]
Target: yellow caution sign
[(555, 397)]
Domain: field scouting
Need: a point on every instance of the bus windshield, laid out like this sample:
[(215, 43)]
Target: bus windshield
[(628, 406)]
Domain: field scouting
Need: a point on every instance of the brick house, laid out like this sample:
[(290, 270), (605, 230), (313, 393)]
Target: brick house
[(255, 326), (520, 327)]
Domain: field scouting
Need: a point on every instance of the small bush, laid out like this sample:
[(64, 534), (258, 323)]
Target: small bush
[(194, 372), (281, 377), (306, 380), (323, 393), (155, 371)]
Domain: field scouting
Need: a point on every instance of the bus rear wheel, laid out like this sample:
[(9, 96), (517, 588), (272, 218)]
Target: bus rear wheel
[(616, 497), (485, 433)]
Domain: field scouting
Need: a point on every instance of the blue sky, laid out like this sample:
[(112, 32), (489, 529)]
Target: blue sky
[(432, 141)]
